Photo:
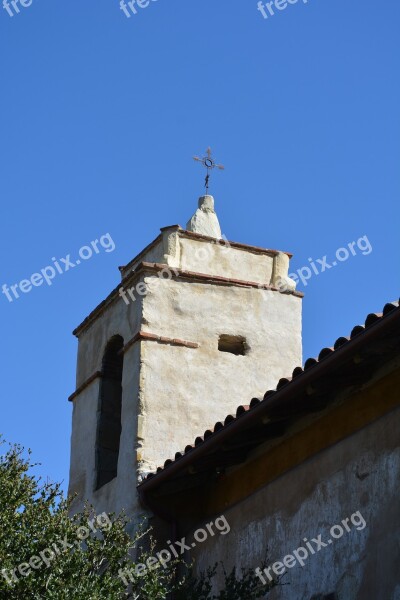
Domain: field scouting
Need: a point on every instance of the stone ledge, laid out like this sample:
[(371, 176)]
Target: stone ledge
[(146, 336), (84, 385), (141, 336), (204, 238), (229, 243), (204, 277), (156, 267)]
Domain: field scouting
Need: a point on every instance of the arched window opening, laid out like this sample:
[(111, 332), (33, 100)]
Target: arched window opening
[(109, 417)]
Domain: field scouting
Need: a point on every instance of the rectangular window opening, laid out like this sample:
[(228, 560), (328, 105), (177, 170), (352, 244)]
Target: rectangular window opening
[(234, 344)]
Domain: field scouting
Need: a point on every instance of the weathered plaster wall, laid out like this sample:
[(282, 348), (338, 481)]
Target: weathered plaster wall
[(123, 320), (185, 391), (359, 474), (154, 254), (220, 259), (177, 248), (117, 319)]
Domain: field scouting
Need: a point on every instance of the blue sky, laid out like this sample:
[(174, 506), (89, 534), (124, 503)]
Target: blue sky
[(100, 116)]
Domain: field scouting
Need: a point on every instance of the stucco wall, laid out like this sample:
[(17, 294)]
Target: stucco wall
[(118, 319), (154, 254), (220, 259), (124, 320), (185, 391), (359, 474), (178, 249)]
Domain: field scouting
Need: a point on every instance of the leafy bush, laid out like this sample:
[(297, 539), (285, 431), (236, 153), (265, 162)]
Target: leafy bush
[(47, 554)]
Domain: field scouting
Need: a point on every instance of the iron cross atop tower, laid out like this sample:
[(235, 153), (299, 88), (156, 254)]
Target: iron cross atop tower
[(209, 163)]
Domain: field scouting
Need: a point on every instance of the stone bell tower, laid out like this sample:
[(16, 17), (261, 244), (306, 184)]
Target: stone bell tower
[(197, 326)]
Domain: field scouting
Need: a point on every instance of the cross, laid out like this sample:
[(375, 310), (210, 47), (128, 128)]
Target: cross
[(209, 163)]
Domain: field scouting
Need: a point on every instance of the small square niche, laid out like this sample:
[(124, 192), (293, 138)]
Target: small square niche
[(234, 344)]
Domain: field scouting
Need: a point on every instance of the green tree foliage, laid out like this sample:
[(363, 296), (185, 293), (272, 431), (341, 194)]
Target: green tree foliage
[(47, 554)]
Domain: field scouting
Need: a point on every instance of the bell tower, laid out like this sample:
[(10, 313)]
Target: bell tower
[(197, 326)]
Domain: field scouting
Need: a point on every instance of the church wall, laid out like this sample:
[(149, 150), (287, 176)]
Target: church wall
[(359, 474), (120, 493), (118, 319), (154, 254), (83, 439), (220, 259), (186, 390)]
